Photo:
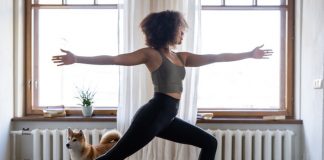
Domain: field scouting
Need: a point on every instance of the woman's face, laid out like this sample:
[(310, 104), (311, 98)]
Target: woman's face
[(180, 35)]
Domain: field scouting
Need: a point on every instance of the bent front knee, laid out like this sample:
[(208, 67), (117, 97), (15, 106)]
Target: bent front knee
[(210, 143), (213, 143)]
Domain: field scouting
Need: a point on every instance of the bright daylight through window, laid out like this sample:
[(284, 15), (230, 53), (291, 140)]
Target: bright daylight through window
[(86, 29), (235, 26), (89, 27)]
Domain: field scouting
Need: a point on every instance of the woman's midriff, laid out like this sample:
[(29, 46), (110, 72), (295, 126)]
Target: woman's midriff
[(174, 95)]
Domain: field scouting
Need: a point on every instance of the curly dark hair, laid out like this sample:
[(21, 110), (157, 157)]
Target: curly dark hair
[(160, 28)]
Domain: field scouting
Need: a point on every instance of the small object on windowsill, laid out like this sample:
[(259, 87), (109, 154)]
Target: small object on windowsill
[(206, 116), (54, 111), (275, 117), (52, 115)]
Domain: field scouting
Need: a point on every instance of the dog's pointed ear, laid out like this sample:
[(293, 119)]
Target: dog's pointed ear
[(70, 131), (80, 132)]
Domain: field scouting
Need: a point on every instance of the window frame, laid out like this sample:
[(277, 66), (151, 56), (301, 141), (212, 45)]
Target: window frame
[(31, 108), (287, 64), (287, 100)]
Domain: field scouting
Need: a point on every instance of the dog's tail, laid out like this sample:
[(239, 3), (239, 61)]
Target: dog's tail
[(110, 137)]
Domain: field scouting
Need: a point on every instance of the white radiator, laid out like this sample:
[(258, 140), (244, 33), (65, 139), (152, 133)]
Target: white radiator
[(253, 144), (232, 144), (50, 144)]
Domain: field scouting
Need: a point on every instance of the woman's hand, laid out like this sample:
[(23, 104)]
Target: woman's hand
[(67, 59), (259, 53)]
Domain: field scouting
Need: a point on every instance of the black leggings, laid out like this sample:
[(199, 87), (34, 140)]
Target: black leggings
[(158, 118)]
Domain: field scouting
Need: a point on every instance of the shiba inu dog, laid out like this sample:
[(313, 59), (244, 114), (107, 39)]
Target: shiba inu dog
[(81, 150)]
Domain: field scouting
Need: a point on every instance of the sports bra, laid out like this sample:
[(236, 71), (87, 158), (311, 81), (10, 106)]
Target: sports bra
[(168, 77)]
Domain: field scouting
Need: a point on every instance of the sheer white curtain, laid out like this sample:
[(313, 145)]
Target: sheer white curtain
[(136, 86)]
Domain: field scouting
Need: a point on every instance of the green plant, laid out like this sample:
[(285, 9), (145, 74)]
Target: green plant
[(86, 97)]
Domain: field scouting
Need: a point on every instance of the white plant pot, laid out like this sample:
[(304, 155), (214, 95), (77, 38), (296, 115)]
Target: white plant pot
[(87, 111)]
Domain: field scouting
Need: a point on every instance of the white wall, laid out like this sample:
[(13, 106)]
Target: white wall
[(6, 75), (311, 64)]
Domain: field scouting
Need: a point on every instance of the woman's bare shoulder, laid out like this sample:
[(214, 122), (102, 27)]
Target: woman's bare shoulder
[(183, 54), (153, 58), (148, 51)]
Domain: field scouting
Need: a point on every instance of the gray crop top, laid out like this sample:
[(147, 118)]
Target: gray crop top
[(168, 77)]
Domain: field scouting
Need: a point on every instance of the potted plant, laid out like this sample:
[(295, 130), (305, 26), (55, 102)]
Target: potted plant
[(86, 97)]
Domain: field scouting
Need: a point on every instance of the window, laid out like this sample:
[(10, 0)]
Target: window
[(85, 27), (248, 87), (91, 27)]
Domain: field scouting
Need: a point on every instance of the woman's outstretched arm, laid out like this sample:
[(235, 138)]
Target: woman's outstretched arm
[(127, 59), (195, 60)]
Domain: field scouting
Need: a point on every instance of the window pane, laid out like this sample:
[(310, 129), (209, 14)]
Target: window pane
[(80, 2), (250, 83), (49, 2), (107, 1), (268, 2), (86, 32), (211, 2), (238, 2)]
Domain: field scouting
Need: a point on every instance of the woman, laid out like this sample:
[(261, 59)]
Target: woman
[(163, 30)]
